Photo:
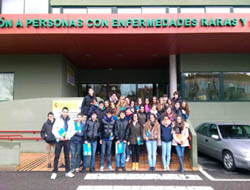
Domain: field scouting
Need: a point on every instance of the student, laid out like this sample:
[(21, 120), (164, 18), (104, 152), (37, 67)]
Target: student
[(170, 103), (161, 107), (166, 142), (113, 108), (107, 104), (154, 101), (170, 114), (128, 117), (87, 101), (107, 137), (76, 143), (176, 97), (138, 104), (113, 98), (155, 112), (147, 105), (180, 139), (177, 109), (121, 105), (63, 129), (135, 140), (93, 107), (132, 106), (127, 100), (152, 136), (185, 110), (101, 111), (47, 135), (121, 135), (91, 135), (165, 99), (142, 117)]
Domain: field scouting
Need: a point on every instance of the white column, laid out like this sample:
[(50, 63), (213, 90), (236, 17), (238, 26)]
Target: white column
[(172, 75)]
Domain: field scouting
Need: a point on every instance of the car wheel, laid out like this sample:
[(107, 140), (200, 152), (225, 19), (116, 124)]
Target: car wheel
[(228, 161)]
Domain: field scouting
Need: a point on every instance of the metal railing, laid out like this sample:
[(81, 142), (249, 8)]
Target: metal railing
[(12, 137)]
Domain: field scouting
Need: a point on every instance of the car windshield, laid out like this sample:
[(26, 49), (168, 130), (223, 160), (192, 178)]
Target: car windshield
[(235, 131)]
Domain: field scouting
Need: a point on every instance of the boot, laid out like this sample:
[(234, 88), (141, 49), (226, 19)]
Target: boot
[(137, 166), (133, 166), (181, 169)]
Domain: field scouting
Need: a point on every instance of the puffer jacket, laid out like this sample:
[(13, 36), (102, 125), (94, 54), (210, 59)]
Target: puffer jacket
[(135, 131), (155, 132), (108, 126), (46, 132), (121, 130), (184, 139), (92, 131)]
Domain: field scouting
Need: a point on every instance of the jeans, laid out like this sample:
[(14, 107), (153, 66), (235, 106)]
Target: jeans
[(75, 149), (151, 148), (180, 150), (127, 151), (66, 147), (93, 151), (107, 144), (120, 158), (166, 153), (135, 152)]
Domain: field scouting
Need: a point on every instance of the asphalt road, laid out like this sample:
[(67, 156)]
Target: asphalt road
[(212, 176)]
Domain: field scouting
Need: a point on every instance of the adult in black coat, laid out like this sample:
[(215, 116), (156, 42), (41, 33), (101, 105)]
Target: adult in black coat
[(87, 101)]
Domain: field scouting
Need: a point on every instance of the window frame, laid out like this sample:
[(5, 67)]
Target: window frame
[(13, 85)]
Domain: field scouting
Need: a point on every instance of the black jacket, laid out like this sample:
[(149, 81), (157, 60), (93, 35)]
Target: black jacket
[(92, 131), (100, 114), (142, 118), (121, 130), (86, 104), (46, 132), (108, 126)]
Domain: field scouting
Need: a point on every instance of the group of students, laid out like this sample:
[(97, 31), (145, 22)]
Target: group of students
[(128, 124)]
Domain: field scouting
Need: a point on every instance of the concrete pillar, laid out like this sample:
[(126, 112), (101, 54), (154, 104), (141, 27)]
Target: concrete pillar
[(172, 75)]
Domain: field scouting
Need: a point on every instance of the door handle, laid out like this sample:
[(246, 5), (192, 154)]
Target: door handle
[(206, 140)]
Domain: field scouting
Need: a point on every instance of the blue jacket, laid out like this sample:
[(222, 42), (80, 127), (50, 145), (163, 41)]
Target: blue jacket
[(166, 135), (78, 137)]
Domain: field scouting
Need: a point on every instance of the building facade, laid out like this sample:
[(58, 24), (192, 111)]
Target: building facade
[(54, 49)]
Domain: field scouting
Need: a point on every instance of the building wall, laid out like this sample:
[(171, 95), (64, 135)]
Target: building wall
[(123, 76), (145, 2), (215, 62), (37, 76)]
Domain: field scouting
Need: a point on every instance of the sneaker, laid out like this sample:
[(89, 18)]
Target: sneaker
[(69, 174), (167, 168), (77, 170), (117, 169), (49, 165), (127, 159), (101, 168), (53, 176), (153, 169), (110, 168), (123, 169)]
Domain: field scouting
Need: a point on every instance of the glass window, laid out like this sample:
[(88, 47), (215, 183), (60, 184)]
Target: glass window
[(150, 10), (129, 10), (201, 86), (12, 6), (145, 90), (234, 131), (212, 130), (203, 129), (56, 10), (237, 86), (218, 10), (100, 90), (36, 6), (193, 10), (172, 10), (99, 10), (241, 10), (75, 10), (6, 86), (128, 90)]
